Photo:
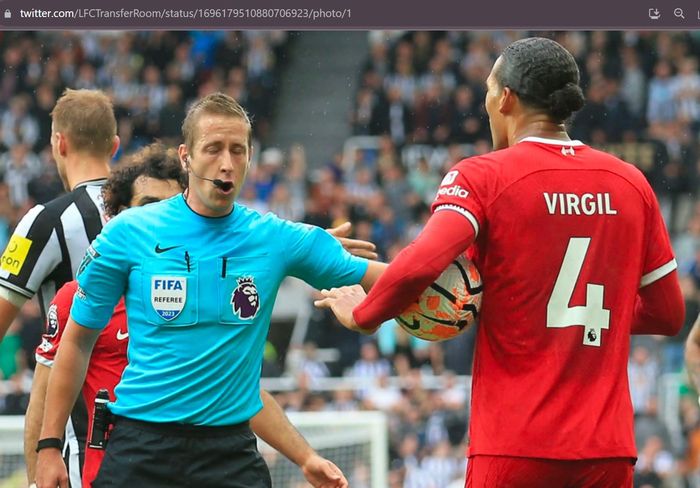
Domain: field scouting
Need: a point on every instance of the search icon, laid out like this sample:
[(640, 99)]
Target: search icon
[(679, 13)]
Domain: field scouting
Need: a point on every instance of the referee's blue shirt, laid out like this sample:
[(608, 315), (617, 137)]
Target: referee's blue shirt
[(199, 295)]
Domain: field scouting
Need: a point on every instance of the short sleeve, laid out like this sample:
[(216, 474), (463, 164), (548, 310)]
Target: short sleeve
[(463, 190), (56, 319), (659, 259), (319, 259), (103, 274), (32, 253)]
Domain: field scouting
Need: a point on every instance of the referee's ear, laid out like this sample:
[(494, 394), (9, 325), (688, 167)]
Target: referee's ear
[(184, 157), (115, 146)]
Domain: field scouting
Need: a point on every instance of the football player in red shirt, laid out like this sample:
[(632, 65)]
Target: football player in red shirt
[(574, 257)]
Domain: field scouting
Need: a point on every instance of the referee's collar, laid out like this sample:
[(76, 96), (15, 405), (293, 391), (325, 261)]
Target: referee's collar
[(95, 182), (206, 218)]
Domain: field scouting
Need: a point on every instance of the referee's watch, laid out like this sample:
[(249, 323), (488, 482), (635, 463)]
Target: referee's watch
[(49, 442)]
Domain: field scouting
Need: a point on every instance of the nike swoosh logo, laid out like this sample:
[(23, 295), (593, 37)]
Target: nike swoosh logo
[(164, 249), (122, 335)]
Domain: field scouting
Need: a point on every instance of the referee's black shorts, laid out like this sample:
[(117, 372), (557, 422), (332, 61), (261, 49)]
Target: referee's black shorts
[(144, 455)]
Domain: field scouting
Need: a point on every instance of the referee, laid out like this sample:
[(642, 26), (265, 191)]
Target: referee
[(200, 275), (46, 248), (154, 173)]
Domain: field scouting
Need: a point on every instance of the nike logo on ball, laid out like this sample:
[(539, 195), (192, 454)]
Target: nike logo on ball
[(122, 335), (164, 249)]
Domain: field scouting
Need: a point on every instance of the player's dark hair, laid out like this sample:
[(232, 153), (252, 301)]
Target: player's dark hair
[(544, 75), (155, 161)]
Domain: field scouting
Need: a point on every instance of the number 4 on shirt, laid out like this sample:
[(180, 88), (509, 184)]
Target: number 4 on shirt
[(592, 316)]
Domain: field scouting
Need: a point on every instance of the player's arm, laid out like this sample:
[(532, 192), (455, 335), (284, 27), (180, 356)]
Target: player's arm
[(26, 262), (659, 307), (34, 417), (65, 381), (10, 303), (446, 235), (272, 425), (102, 279), (57, 316), (692, 354)]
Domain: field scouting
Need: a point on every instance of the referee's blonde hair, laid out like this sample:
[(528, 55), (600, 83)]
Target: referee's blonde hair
[(217, 104)]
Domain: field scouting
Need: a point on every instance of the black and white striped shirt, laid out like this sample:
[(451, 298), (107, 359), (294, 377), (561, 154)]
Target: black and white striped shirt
[(43, 254), (49, 242)]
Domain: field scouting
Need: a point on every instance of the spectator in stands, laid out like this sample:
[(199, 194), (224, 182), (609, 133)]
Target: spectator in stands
[(643, 372), (371, 365), (654, 463), (18, 125), (18, 167)]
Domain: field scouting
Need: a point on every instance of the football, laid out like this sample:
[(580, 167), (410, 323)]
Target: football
[(448, 307)]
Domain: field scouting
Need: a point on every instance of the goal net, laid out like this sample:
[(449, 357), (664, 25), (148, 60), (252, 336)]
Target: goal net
[(12, 474), (355, 441)]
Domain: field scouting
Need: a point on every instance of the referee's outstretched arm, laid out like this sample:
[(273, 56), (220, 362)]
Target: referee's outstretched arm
[(65, 381)]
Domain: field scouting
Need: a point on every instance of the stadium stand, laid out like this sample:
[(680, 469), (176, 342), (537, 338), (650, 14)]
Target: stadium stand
[(418, 110)]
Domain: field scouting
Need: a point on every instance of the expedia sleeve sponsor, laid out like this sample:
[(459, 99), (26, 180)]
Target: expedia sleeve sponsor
[(463, 195)]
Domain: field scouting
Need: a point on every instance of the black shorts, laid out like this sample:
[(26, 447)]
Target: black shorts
[(144, 455)]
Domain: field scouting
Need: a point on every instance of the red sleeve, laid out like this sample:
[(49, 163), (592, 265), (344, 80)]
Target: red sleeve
[(659, 258), (446, 235), (56, 319), (466, 189), (660, 308)]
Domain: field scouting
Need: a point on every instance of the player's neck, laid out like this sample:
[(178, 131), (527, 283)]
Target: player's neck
[(81, 168), (537, 126)]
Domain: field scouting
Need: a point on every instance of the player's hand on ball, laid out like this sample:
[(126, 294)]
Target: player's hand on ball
[(51, 470), (357, 247), (342, 301), (321, 473)]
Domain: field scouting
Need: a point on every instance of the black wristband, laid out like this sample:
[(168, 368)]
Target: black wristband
[(49, 442)]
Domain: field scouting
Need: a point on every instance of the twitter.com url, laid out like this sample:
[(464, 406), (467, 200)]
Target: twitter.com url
[(194, 14)]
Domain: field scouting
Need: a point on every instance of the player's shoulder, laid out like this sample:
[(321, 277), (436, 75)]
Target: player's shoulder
[(623, 170), (64, 296), (253, 218), (48, 214), (272, 228), (481, 161), (145, 215)]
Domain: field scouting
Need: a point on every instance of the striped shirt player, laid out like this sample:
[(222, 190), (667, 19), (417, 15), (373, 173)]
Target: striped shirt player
[(107, 362), (49, 242), (43, 254)]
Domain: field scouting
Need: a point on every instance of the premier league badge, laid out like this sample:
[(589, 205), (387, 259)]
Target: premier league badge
[(168, 295), (52, 321), (245, 300)]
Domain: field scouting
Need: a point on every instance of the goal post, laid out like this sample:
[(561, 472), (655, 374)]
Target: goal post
[(356, 441)]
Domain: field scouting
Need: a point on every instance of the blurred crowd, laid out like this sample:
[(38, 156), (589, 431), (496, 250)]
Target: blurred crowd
[(415, 90)]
